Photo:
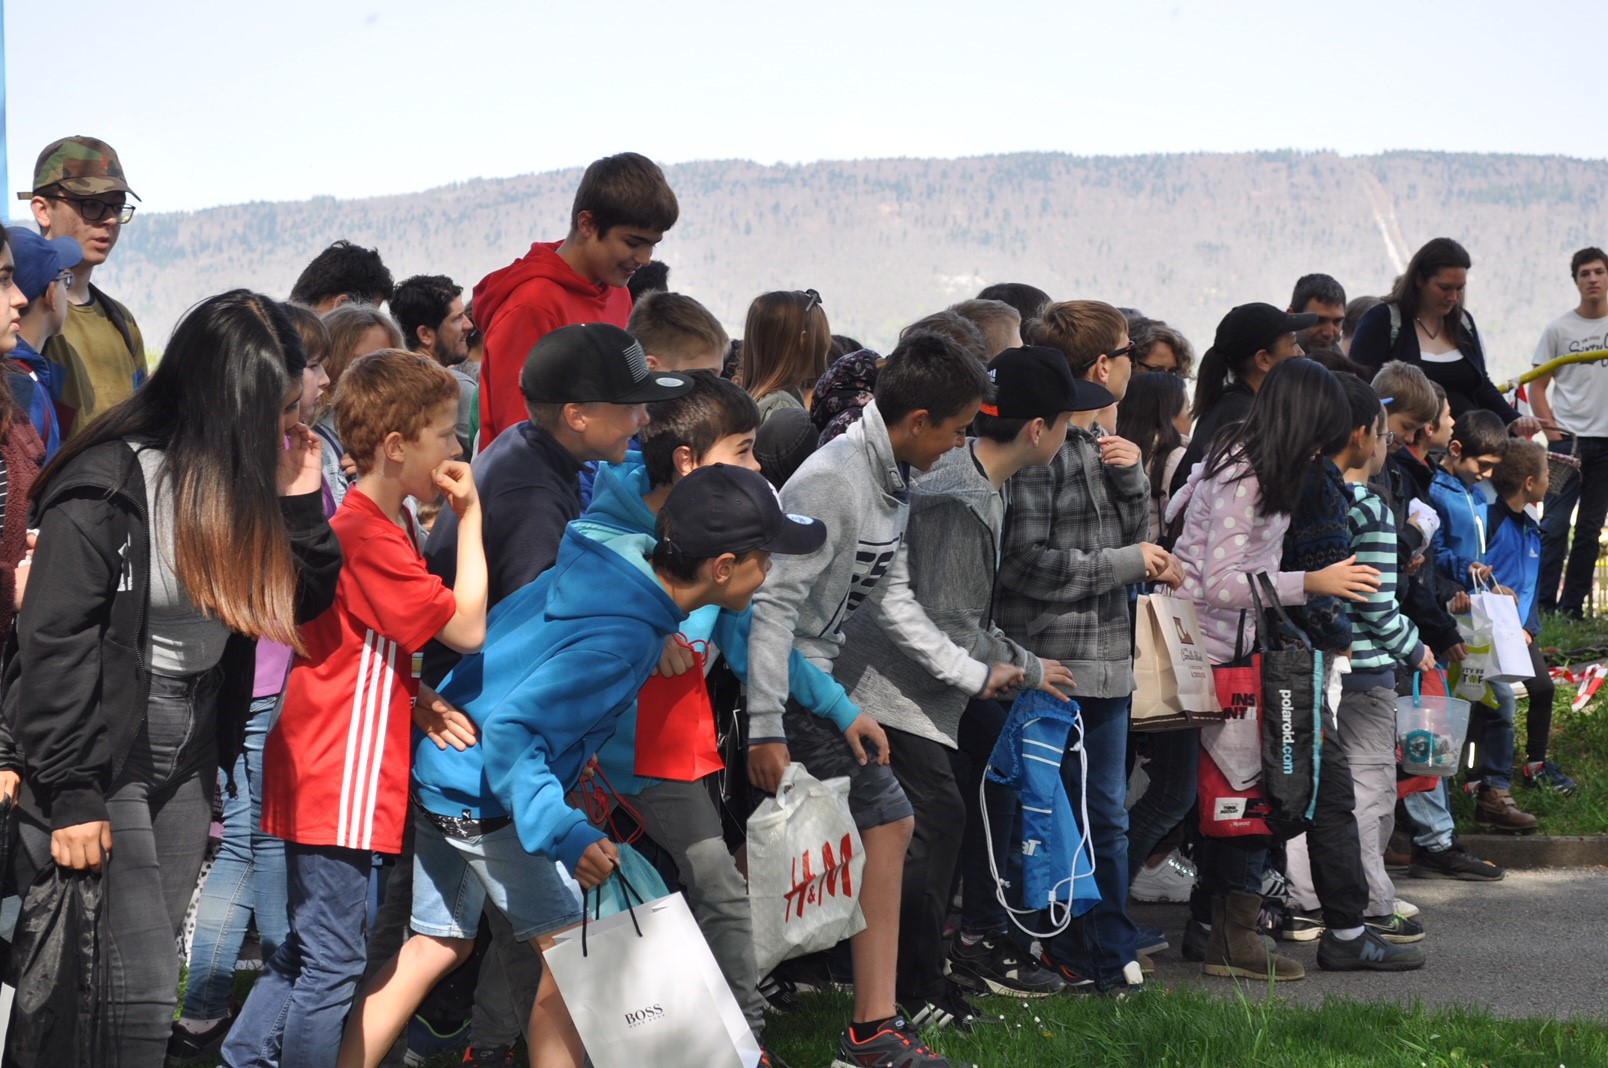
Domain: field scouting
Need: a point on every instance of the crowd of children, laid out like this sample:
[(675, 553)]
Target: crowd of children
[(272, 582)]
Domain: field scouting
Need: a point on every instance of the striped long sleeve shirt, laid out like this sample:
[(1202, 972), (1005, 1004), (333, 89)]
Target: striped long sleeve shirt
[(1381, 635)]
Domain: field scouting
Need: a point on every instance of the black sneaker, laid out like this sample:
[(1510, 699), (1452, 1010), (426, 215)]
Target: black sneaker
[(950, 1009), (1301, 926), (1074, 981), (1367, 952), (1196, 937), (186, 1046), (1398, 929), (995, 965), (1453, 862), (780, 994), (494, 1056), (895, 1045)]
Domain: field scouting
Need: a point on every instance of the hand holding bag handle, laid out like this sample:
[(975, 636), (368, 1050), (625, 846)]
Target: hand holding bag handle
[(630, 892)]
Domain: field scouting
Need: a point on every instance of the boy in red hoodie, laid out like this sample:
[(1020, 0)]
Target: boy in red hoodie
[(621, 211)]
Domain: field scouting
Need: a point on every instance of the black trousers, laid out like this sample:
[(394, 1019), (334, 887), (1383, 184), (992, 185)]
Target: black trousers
[(1332, 844), (923, 768)]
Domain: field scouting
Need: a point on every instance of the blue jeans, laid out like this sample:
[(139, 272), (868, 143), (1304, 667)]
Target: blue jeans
[(247, 879), (1174, 761), (297, 1010), (1496, 737), (1591, 491), (1105, 938), (1432, 818)]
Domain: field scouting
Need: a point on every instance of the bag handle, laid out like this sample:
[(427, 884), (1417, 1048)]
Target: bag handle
[(1261, 579), (630, 891)]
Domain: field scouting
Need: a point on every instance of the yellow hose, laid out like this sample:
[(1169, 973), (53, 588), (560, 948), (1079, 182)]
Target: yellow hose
[(1594, 356)]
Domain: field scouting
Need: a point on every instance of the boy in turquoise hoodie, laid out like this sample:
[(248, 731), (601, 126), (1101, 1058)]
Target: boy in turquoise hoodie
[(563, 660), (714, 423)]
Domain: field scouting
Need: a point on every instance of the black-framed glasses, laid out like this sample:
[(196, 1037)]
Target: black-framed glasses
[(93, 209), (1127, 350), (812, 300)]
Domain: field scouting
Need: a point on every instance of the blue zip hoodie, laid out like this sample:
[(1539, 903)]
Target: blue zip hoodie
[(38, 393), (1514, 554), (616, 516), (563, 658), (1461, 539)]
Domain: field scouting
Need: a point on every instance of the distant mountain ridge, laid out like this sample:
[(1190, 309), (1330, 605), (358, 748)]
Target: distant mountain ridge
[(1183, 237)]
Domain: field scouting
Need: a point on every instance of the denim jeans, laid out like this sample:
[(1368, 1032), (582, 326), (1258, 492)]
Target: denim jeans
[(297, 1010), (1104, 939), (247, 880), (1174, 761), (1496, 737), (1431, 814), (1590, 490), (160, 808)]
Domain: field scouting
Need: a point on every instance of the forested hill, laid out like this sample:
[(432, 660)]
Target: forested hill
[(1182, 237)]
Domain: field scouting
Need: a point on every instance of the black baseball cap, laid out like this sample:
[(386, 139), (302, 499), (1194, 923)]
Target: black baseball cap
[(1250, 328), (1035, 382), (587, 362), (723, 508)]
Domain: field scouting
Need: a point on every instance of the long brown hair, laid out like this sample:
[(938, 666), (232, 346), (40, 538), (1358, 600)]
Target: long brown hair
[(785, 342), (213, 406), (1437, 254)]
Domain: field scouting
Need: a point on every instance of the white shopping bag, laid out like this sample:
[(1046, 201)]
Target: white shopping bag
[(644, 989), (1509, 659), (805, 861)]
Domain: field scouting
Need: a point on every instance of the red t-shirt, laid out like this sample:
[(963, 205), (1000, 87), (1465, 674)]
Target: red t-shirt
[(335, 766)]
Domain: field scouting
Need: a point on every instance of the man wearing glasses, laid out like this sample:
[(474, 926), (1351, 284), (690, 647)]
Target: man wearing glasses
[(79, 192)]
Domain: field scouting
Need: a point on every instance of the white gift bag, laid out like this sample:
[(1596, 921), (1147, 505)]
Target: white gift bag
[(1509, 658), (644, 989), (805, 861)]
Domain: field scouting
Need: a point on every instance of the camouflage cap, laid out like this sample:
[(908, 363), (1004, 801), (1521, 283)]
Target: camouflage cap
[(82, 166)]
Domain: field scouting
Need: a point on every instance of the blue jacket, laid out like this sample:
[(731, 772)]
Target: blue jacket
[(1514, 554), (617, 515), (38, 394), (1057, 865), (1464, 530), (563, 658)]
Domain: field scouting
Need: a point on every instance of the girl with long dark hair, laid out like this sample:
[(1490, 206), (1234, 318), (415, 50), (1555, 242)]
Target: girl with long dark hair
[(1154, 415), (1236, 508), (174, 531)]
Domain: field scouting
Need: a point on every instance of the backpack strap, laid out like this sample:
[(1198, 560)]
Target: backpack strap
[(115, 313)]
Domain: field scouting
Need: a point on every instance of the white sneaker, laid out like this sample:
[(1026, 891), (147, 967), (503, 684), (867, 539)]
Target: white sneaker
[(1406, 909), (1171, 880)]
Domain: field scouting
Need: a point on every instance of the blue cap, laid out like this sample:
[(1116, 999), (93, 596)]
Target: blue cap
[(39, 260)]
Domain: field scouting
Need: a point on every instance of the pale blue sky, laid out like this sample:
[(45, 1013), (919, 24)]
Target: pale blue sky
[(217, 103)]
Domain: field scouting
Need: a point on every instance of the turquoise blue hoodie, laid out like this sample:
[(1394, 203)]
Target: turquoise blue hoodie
[(615, 517), (563, 658)]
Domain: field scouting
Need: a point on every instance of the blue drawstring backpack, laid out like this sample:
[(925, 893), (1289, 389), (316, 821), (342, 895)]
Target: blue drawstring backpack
[(1057, 861)]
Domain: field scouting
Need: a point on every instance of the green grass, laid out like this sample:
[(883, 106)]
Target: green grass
[(1579, 740), (1193, 1029)]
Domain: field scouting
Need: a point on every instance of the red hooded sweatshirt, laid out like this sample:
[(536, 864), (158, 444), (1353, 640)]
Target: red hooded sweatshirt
[(519, 305)]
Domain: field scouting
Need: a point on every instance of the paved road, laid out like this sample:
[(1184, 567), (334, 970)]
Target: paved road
[(1534, 944)]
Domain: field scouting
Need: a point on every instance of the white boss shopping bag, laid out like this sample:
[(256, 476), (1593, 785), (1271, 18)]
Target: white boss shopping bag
[(644, 989), (1509, 659), (804, 866)]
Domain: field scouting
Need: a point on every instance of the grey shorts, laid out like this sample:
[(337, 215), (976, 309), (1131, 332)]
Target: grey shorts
[(875, 796)]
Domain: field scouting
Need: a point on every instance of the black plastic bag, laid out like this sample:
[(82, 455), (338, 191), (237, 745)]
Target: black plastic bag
[(58, 1019), (1292, 715)]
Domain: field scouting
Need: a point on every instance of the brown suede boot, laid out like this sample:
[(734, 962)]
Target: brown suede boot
[(1497, 811), (1236, 947)]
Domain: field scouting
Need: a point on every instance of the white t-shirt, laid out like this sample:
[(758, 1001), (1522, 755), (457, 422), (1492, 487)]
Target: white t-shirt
[(1579, 391)]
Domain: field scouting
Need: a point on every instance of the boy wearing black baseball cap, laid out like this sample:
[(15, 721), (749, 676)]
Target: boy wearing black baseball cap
[(586, 389), (563, 658), (956, 515)]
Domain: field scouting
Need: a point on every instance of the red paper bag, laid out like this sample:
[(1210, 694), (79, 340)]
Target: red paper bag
[(675, 735)]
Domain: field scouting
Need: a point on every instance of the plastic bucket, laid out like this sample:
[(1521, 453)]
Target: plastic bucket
[(1429, 732)]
